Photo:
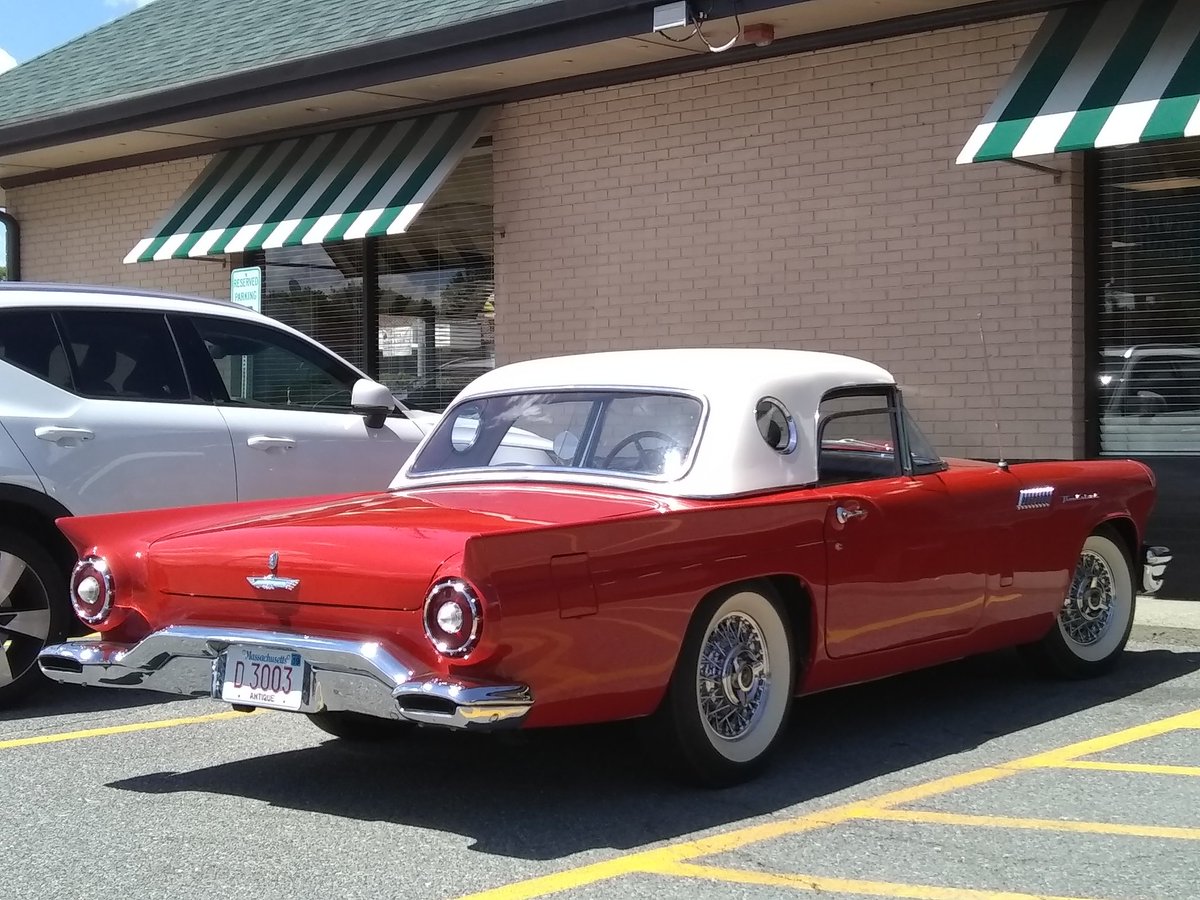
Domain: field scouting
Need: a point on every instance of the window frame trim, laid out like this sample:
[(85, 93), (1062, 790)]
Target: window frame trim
[(891, 396)]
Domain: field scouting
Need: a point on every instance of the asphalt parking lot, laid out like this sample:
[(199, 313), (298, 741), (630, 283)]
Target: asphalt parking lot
[(975, 780)]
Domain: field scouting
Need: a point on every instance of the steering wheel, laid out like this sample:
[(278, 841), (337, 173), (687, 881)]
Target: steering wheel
[(636, 439)]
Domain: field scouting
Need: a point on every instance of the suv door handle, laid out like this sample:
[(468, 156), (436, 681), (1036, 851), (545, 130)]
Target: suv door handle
[(846, 513), (62, 435), (266, 443)]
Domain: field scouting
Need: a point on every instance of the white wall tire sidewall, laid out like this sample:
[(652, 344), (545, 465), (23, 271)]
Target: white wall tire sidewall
[(1123, 601), (762, 734)]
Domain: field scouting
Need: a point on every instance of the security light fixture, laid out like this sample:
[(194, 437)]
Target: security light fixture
[(672, 15)]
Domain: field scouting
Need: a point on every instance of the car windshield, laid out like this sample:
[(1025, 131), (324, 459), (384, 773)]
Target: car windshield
[(648, 435)]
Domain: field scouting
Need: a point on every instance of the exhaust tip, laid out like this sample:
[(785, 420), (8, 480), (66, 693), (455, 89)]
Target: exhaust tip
[(61, 664), (426, 703)]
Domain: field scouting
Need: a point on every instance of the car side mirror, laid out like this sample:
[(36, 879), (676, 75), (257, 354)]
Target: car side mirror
[(373, 401)]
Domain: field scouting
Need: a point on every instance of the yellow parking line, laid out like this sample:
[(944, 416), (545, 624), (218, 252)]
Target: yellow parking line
[(117, 729), (1146, 769), (844, 885), (1110, 741), (676, 854), (930, 817)]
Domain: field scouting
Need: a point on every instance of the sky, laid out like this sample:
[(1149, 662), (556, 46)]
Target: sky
[(29, 29)]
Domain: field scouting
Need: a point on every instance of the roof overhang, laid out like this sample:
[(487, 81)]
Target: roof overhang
[(549, 49)]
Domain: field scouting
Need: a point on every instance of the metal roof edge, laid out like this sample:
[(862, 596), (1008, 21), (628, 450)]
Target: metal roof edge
[(512, 35), (977, 13)]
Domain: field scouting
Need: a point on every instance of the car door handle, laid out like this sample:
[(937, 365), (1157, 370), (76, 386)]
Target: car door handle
[(845, 513), (62, 435), (266, 443)]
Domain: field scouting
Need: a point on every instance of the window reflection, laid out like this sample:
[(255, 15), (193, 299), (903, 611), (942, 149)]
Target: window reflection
[(1148, 370), (429, 293)]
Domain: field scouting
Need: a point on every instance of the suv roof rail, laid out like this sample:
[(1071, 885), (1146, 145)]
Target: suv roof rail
[(60, 288)]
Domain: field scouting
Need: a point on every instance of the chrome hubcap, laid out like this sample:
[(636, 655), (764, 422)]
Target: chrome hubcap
[(1088, 609), (24, 617), (734, 676)]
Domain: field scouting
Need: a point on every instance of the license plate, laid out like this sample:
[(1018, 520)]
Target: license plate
[(259, 676)]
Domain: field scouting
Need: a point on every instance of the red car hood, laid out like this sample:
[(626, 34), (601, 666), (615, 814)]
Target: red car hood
[(379, 551)]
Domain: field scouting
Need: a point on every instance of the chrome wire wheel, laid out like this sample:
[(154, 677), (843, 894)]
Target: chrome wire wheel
[(730, 693), (1097, 613), (1087, 612), (733, 678), (741, 678), (25, 617)]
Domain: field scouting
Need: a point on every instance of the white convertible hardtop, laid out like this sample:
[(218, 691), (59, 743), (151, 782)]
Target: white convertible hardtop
[(732, 457)]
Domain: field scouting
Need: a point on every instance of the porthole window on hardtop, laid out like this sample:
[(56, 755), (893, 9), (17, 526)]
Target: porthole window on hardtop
[(776, 425)]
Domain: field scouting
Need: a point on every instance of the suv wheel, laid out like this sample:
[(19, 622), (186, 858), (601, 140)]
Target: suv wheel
[(33, 613)]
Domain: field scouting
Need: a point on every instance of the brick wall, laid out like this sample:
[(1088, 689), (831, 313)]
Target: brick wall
[(812, 202), (79, 229)]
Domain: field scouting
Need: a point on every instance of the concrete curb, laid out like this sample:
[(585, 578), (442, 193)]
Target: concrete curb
[(1163, 634), (1166, 621)]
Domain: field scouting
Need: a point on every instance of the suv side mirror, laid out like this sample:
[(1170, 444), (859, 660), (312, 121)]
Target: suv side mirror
[(373, 401)]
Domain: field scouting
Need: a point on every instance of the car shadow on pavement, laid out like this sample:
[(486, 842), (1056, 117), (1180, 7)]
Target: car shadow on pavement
[(53, 699), (547, 795)]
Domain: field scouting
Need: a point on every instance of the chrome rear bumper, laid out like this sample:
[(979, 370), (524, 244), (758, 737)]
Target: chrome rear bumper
[(352, 676)]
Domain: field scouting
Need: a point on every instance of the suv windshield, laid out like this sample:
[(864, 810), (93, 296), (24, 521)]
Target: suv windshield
[(648, 435)]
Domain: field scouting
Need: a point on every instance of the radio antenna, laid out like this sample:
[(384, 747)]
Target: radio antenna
[(987, 368)]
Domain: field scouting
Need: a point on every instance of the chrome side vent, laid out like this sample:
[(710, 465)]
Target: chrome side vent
[(1035, 498)]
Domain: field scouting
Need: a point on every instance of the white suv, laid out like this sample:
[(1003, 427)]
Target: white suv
[(115, 400)]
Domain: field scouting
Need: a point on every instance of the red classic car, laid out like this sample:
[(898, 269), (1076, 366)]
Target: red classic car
[(695, 536)]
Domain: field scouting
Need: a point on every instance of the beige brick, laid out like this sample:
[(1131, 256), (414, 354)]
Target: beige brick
[(806, 201), (79, 229)]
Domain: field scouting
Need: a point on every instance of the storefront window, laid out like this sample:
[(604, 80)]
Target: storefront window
[(437, 290), (319, 290), (414, 310), (1148, 315)]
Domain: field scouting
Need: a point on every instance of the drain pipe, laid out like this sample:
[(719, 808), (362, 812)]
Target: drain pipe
[(12, 239)]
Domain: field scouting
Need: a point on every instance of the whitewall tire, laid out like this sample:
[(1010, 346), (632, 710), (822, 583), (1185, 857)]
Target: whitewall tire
[(731, 692), (1096, 617)]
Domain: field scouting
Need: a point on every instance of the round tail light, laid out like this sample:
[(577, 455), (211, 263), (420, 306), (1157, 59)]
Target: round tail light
[(452, 617), (92, 590)]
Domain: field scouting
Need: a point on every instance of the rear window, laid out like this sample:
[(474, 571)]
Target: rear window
[(646, 435)]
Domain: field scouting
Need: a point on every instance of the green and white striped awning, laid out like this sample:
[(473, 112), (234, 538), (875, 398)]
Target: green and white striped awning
[(339, 186), (1099, 75)]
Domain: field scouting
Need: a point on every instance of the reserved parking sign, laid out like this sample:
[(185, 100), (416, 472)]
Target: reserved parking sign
[(245, 287)]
